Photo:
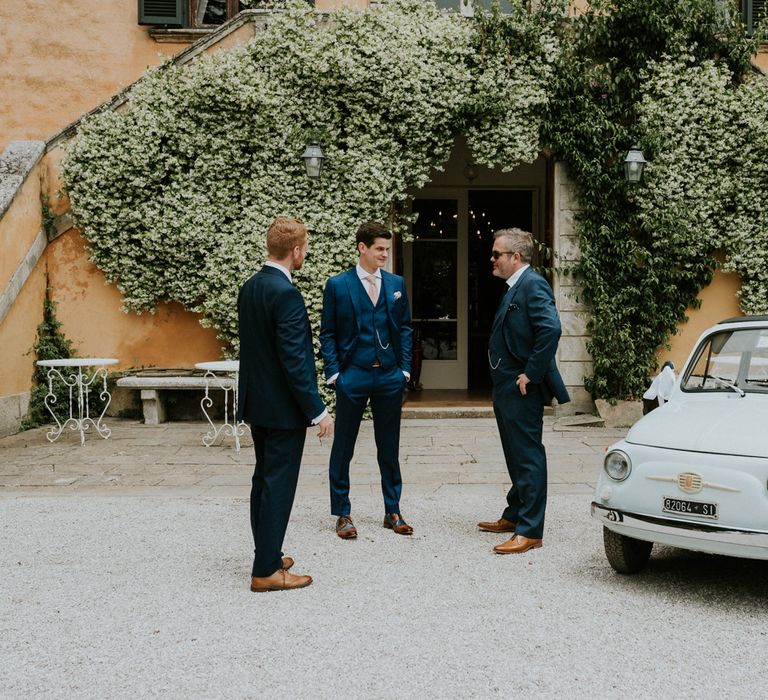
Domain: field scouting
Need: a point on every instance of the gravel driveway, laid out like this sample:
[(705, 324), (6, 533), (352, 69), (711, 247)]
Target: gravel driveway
[(131, 596)]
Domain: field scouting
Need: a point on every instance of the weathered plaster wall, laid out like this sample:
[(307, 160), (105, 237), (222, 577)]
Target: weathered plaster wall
[(576, 7), (22, 284), (761, 60), (91, 317), (20, 225), (61, 59), (18, 332), (51, 181), (718, 302)]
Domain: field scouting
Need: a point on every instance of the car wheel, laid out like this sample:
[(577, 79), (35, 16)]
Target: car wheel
[(625, 554)]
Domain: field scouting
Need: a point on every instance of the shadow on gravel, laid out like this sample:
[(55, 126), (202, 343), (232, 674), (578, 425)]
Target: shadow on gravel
[(693, 577)]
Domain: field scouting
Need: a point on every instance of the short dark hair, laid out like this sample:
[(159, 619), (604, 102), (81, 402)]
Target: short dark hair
[(370, 231)]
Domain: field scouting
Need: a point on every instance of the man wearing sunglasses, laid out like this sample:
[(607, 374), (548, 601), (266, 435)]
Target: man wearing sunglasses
[(521, 354)]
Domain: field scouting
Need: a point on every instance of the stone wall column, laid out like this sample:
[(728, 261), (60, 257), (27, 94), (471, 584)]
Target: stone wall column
[(572, 357)]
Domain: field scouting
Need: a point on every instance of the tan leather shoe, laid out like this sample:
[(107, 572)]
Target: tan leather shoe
[(345, 529), (281, 580), (500, 525), (288, 562), (517, 545), (394, 521)]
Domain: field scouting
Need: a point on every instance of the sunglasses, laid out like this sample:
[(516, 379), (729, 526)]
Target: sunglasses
[(496, 254)]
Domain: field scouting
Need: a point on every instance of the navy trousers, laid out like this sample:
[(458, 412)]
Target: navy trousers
[(520, 420), (273, 487), (354, 386)]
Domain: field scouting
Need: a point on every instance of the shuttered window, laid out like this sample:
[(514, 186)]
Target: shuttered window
[(169, 12), (752, 12), (192, 13)]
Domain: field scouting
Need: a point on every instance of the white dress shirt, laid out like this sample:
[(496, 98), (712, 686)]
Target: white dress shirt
[(364, 275), (282, 269), (517, 275)]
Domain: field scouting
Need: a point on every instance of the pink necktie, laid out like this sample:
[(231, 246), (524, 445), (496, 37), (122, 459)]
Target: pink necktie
[(373, 290)]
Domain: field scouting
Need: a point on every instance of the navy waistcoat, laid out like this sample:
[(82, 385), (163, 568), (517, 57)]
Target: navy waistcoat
[(374, 341)]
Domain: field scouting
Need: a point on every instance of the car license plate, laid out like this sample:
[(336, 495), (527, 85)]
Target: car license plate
[(681, 507)]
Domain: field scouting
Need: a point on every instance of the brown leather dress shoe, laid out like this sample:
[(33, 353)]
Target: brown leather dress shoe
[(281, 580), (394, 521), (345, 529), (500, 525), (288, 562), (517, 545)]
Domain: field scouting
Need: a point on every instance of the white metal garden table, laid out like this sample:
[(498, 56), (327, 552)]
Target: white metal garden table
[(222, 375), (79, 382)]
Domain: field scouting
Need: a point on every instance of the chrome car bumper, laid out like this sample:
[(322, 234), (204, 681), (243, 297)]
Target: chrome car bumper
[(697, 536)]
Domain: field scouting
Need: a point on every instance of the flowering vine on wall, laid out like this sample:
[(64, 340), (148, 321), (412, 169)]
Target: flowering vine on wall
[(174, 193), (675, 78)]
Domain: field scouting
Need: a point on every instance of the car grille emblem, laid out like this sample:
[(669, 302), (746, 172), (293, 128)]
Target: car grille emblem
[(689, 482)]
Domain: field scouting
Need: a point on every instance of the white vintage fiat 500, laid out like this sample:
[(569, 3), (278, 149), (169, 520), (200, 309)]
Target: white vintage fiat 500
[(694, 472)]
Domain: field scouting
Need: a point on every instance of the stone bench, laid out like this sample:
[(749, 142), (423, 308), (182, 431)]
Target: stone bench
[(152, 388)]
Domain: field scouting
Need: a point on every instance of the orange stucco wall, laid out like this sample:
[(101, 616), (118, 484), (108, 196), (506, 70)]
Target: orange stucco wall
[(18, 229), (761, 60), (18, 331), (576, 7), (718, 302), (89, 311), (20, 225), (61, 59), (51, 181)]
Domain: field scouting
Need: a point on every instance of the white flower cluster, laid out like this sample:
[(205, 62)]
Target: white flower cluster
[(706, 186)]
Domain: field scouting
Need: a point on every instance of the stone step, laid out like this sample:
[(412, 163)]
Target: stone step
[(578, 422), (436, 412)]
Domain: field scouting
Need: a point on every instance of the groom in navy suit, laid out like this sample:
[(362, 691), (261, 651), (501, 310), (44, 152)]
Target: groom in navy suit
[(521, 354), (278, 396), (365, 340)]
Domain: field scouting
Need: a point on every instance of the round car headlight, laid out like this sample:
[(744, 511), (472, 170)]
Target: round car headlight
[(617, 465)]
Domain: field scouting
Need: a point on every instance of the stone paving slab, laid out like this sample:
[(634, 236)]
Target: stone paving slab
[(170, 459)]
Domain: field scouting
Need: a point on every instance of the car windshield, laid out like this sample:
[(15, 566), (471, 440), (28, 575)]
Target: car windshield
[(730, 361)]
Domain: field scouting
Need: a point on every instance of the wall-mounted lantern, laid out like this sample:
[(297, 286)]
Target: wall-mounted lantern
[(634, 164), (313, 159)]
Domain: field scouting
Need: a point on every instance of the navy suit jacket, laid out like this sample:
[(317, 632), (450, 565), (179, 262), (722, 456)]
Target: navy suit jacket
[(278, 382), (530, 328), (341, 320)]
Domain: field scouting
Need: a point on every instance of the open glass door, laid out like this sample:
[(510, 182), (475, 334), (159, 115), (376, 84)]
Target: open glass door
[(436, 274), (447, 268)]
